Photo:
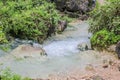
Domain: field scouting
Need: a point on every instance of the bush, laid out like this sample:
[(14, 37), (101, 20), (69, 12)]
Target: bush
[(106, 16), (105, 23), (2, 36), (104, 38), (28, 19), (8, 75)]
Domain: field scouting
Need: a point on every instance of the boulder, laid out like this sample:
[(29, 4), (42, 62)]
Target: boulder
[(117, 49), (75, 6), (72, 6), (61, 4), (27, 51)]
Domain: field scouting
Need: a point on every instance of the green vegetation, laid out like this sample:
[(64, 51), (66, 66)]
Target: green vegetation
[(8, 75), (105, 24), (104, 38), (28, 19), (2, 36)]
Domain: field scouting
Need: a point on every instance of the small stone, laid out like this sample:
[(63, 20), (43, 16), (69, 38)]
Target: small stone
[(97, 78), (89, 67), (111, 48), (105, 66), (119, 68), (117, 49), (83, 46)]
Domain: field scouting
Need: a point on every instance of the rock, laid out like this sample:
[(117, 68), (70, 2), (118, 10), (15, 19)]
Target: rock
[(37, 45), (61, 4), (83, 17), (105, 66), (97, 78), (51, 28), (119, 68), (75, 6), (26, 51), (62, 25), (72, 6), (82, 46), (18, 42), (90, 67), (111, 48), (71, 14), (117, 49)]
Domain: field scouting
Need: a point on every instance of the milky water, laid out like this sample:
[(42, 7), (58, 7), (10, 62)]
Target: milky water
[(63, 55), (64, 47)]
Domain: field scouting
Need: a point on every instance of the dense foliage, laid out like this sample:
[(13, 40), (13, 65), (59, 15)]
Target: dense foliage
[(105, 23), (28, 19)]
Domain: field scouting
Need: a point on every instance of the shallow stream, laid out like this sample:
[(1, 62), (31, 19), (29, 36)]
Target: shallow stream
[(63, 55)]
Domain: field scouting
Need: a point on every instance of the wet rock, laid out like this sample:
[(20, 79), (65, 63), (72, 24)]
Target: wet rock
[(37, 45), (18, 42), (117, 49), (62, 25), (27, 51), (82, 46)]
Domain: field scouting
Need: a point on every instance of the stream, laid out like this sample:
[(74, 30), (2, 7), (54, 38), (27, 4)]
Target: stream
[(63, 55)]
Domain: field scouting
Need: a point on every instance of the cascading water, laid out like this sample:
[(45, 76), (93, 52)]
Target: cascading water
[(62, 51)]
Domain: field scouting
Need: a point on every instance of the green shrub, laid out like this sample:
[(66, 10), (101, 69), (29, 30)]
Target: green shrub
[(28, 19), (104, 38), (105, 17), (8, 75), (2, 36)]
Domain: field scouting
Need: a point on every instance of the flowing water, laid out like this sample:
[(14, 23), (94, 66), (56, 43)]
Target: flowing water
[(63, 55)]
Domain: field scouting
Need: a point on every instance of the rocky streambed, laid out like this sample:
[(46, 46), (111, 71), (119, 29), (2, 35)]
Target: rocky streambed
[(65, 60)]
